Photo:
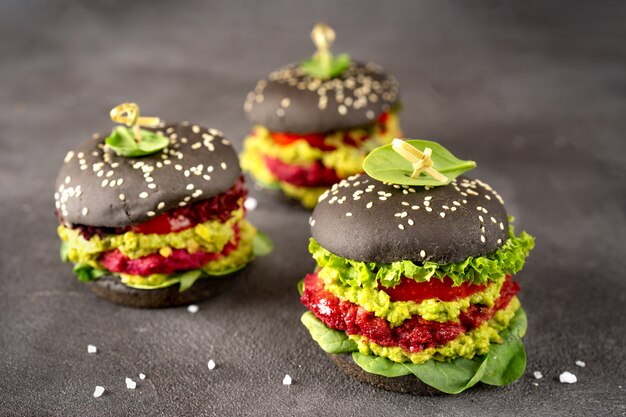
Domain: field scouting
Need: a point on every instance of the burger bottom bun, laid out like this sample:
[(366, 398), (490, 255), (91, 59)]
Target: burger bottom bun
[(111, 288), (404, 384)]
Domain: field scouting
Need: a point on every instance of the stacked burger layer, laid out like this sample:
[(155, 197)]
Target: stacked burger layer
[(417, 281)]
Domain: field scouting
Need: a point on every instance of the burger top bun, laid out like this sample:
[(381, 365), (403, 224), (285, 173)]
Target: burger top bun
[(291, 101), (366, 220), (96, 187)]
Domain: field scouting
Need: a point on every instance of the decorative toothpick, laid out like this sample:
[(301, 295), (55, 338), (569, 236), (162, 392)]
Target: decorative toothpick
[(128, 114), (323, 37), (421, 161)]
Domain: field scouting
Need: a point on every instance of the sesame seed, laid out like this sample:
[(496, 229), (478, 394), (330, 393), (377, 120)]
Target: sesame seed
[(223, 165), (120, 181), (382, 198), (122, 197), (493, 220), (143, 195), (428, 198), (482, 238), (481, 219), (209, 168), (196, 145), (401, 227), (195, 129), (104, 183), (178, 167), (206, 177), (442, 214), (190, 186), (160, 205), (429, 209), (415, 207), (410, 222), (422, 253), (182, 204), (285, 102), (501, 226), (404, 203), (85, 211), (427, 203), (369, 205), (151, 213), (68, 179), (348, 214), (152, 186)]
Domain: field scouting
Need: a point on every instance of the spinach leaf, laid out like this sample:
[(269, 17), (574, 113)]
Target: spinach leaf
[(330, 340), (451, 377), (122, 142), (385, 164), (507, 361), (262, 245), (379, 365), (86, 272), (315, 67), (187, 279)]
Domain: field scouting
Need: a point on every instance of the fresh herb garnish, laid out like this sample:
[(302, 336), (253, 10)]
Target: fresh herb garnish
[(122, 142), (387, 165), (330, 340), (323, 64), (132, 141)]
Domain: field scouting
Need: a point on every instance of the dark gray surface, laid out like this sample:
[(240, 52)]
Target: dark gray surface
[(536, 94)]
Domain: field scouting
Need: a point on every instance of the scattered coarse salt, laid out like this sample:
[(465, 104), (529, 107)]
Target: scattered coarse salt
[(581, 364), (92, 349), (192, 308), (251, 203), (142, 376), (211, 364), (567, 378), (287, 380), (538, 375), (98, 391), (535, 384), (130, 384)]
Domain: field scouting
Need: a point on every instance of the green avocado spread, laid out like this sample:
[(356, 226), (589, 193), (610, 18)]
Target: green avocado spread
[(210, 237), (395, 312)]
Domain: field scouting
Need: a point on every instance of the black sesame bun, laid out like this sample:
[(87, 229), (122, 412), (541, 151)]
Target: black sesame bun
[(291, 101), (366, 220), (111, 288), (96, 187)]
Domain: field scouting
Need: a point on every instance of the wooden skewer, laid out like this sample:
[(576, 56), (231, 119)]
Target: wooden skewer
[(421, 161), (128, 114)]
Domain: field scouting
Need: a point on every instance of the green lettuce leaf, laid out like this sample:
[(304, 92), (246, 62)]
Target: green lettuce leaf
[(315, 67), (330, 340), (504, 363), (301, 287), (508, 259)]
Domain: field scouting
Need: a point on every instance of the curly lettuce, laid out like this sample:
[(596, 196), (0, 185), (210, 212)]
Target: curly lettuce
[(507, 260)]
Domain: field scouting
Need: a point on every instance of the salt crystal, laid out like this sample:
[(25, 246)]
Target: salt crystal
[(251, 203), (287, 380), (581, 364), (192, 308), (142, 376), (91, 349), (567, 378), (211, 364), (130, 384), (538, 375), (98, 391)]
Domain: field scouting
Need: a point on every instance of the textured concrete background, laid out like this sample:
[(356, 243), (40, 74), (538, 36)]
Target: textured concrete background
[(535, 93)]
